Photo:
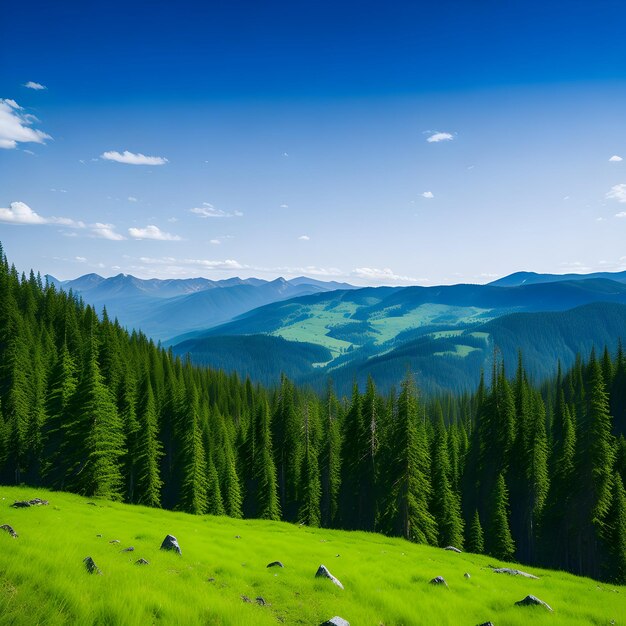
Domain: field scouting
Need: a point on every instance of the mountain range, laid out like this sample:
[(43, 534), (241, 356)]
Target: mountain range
[(312, 330), (164, 308)]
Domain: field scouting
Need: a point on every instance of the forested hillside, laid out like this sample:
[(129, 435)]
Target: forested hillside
[(511, 470)]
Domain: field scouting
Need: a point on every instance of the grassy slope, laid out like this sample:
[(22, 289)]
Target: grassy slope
[(42, 579)]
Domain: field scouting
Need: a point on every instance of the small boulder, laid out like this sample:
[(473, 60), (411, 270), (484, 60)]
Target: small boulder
[(533, 601), (322, 572), (171, 543), (467, 575), (90, 566), (142, 562), (260, 601), (129, 549), (275, 564), (237, 536), (452, 549), (439, 580), (23, 504), (9, 529), (513, 572), (486, 624), (114, 541), (336, 621)]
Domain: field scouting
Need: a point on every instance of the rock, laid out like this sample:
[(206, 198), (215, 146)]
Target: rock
[(90, 566), (467, 575), (9, 529), (486, 624), (260, 601), (237, 536), (171, 543), (114, 541), (23, 504), (275, 564), (439, 580), (513, 572), (322, 572), (99, 536), (452, 549), (336, 621), (129, 549), (246, 599), (533, 601), (142, 562)]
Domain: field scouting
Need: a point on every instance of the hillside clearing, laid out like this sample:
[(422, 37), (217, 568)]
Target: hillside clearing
[(43, 579)]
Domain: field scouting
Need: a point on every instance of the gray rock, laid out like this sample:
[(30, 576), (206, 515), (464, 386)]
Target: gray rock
[(171, 543), (90, 566), (114, 541), (275, 564), (336, 621), (142, 562), (439, 580), (467, 575), (322, 572), (23, 504), (513, 572), (486, 624), (261, 601), (246, 599), (129, 549), (9, 529), (533, 601), (452, 549)]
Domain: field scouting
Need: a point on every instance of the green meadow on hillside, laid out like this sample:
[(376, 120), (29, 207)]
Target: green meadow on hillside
[(43, 579)]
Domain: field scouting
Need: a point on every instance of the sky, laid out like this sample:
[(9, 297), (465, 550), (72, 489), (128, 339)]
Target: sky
[(375, 143)]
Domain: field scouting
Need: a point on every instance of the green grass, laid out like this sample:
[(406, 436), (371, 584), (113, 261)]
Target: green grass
[(43, 581)]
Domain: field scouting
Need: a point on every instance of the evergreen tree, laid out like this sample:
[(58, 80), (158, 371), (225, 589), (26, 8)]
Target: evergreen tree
[(500, 542), (267, 502), (617, 533), (475, 536), (446, 504)]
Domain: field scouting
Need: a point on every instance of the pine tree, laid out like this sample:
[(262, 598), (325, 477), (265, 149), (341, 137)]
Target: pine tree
[(446, 503), (617, 532), (410, 492), (193, 496), (148, 450), (311, 488), (100, 473), (475, 536), (330, 461), (500, 542), (267, 502)]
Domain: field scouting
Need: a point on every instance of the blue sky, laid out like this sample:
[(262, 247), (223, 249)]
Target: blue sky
[(379, 143)]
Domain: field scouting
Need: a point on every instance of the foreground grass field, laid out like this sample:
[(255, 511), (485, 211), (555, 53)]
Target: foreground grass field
[(43, 579)]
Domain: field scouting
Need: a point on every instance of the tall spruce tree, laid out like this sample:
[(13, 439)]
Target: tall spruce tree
[(500, 542)]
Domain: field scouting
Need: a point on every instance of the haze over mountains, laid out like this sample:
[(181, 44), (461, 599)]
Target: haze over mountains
[(312, 329), (165, 308)]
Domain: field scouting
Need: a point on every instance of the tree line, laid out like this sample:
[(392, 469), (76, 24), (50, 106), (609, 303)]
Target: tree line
[(515, 470)]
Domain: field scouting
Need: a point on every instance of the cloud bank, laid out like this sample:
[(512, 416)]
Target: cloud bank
[(15, 126)]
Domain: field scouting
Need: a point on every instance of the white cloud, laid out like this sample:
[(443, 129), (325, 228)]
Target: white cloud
[(21, 213), (105, 231), (428, 194), (215, 242), (304, 238), (284, 206), (377, 275), (615, 159), (617, 192), (208, 210), (132, 199), (152, 232), (437, 137), (33, 85), (80, 259), (621, 214), (15, 126), (131, 158)]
